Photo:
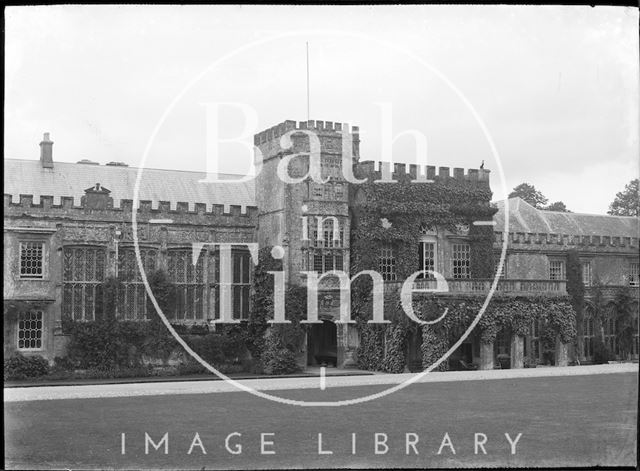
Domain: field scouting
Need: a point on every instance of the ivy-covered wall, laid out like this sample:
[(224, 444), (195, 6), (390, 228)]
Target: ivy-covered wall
[(393, 213), (383, 347)]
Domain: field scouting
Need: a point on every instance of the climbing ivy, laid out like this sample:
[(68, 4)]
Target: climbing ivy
[(383, 347), (575, 290), (626, 321), (516, 314), (404, 207), (278, 346), (261, 301), (392, 214)]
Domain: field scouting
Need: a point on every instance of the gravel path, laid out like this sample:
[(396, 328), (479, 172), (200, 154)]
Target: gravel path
[(272, 384)]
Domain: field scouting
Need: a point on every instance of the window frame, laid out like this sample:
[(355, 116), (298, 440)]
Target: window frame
[(43, 264), (188, 282), (467, 268), (238, 288), (589, 280), (132, 287), (82, 290), (422, 258), (42, 337), (563, 264), (324, 256), (387, 263)]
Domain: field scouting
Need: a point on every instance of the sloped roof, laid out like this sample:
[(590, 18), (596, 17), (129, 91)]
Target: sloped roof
[(27, 177), (525, 218)]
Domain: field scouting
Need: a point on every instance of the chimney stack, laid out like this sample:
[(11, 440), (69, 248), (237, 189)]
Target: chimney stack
[(46, 152)]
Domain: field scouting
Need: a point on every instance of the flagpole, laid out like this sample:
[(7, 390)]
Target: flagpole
[(308, 81)]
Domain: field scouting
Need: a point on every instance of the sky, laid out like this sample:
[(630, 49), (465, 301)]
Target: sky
[(544, 95)]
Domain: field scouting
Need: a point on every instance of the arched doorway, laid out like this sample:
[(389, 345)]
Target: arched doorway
[(502, 348), (322, 345)]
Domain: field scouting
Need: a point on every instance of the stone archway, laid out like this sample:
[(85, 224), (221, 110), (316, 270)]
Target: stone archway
[(322, 344), (502, 348)]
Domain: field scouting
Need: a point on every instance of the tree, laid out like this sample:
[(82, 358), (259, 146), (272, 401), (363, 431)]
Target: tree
[(558, 206), (536, 199), (529, 193), (627, 202)]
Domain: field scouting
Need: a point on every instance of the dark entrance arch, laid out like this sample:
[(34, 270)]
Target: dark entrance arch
[(322, 345)]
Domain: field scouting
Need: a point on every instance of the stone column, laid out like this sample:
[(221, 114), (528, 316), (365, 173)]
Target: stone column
[(301, 357), (562, 353), (486, 356), (517, 351), (347, 344)]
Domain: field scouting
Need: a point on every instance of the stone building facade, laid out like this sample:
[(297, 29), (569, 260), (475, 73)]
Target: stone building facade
[(538, 242), (68, 227)]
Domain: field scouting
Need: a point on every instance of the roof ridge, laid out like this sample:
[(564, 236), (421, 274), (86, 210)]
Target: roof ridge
[(567, 213), (130, 167)]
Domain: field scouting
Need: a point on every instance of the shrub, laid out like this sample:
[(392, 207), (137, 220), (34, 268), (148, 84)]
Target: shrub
[(434, 346), (276, 358), (101, 344), (279, 361), (395, 359), (19, 366), (62, 364), (218, 349), (370, 352)]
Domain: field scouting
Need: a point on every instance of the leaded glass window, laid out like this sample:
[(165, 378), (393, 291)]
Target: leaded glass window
[(30, 330), (556, 270), (387, 263), (586, 273), (83, 272), (427, 258), (32, 260), (133, 301), (189, 281), (461, 261), (324, 261), (241, 262)]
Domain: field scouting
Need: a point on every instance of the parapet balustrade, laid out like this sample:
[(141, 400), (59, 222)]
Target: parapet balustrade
[(610, 291), (478, 286)]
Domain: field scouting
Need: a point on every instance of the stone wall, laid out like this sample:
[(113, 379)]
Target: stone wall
[(528, 254), (96, 222)]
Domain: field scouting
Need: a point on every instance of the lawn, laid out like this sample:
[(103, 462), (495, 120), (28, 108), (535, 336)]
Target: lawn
[(564, 421)]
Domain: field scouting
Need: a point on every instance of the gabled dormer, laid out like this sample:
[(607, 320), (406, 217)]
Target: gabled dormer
[(97, 197)]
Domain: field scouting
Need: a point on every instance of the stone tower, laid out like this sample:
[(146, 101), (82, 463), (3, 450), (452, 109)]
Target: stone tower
[(293, 215), (282, 206)]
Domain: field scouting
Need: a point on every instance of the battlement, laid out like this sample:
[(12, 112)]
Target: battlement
[(567, 240), (324, 127), (378, 170), (46, 203)]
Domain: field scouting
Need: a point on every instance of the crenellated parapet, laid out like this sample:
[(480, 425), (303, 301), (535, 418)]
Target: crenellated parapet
[(321, 127), (384, 170), (559, 241), (181, 211)]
